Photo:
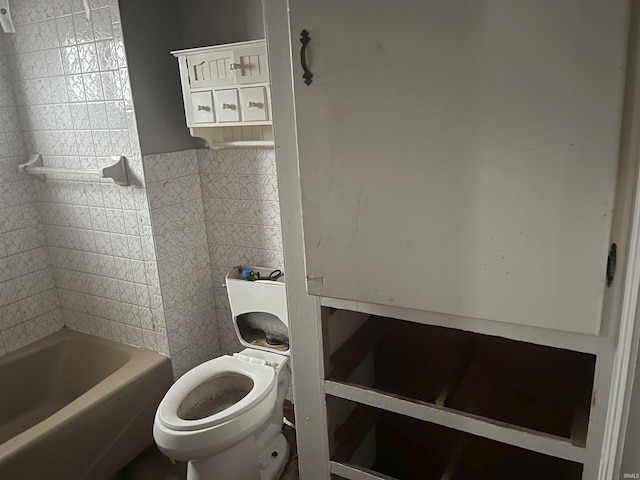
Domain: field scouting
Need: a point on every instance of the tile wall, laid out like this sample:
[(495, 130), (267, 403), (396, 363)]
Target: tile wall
[(210, 211), (72, 104), (28, 297), (177, 215), (142, 265), (242, 215)]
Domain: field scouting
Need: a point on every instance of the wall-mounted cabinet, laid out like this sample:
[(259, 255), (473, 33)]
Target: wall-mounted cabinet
[(226, 94)]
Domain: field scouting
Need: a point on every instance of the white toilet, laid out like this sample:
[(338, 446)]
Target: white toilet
[(225, 416)]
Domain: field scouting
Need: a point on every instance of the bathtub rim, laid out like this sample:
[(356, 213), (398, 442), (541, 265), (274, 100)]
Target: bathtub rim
[(140, 362)]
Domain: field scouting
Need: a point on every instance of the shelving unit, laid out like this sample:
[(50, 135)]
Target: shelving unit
[(532, 397), (435, 298), (382, 444)]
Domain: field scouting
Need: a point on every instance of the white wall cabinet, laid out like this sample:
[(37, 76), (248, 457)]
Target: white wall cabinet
[(226, 94), (456, 171)]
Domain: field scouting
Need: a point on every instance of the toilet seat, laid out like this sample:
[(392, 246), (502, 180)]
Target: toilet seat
[(260, 372)]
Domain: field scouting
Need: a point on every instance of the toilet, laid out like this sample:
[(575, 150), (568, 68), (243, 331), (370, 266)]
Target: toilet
[(224, 417)]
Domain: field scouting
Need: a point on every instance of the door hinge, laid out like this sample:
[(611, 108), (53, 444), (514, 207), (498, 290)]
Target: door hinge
[(611, 263)]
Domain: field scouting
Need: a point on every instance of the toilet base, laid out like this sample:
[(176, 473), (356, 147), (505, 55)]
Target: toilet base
[(242, 462), (274, 459)]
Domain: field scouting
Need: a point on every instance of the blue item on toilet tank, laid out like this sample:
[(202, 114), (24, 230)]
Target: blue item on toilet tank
[(247, 274)]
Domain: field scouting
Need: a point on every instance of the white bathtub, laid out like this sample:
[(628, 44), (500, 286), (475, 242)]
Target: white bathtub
[(75, 406)]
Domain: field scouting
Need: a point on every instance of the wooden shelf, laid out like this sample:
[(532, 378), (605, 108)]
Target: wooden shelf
[(529, 386), (491, 429), (531, 396), (480, 459), (404, 448)]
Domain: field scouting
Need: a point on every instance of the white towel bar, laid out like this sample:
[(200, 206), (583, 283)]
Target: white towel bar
[(117, 172)]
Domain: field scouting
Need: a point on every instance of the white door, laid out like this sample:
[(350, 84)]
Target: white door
[(465, 162)]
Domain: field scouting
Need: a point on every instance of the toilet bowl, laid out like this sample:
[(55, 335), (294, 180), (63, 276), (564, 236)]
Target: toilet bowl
[(224, 417)]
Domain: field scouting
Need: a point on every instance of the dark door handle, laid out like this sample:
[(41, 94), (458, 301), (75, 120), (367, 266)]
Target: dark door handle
[(305, 39)]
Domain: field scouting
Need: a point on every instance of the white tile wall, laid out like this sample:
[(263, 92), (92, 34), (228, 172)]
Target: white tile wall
[(177, 215), (65, 94), (242, 214), (141, 265), (29, 304), (210, 210)]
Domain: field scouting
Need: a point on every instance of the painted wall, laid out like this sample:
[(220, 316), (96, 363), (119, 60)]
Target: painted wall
[(152, 29), (151, 32), (204, 22)]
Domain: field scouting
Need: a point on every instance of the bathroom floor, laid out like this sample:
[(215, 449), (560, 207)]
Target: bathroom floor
[(151, 464)]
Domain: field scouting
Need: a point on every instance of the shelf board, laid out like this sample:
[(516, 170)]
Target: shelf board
[(577, 342), (353, 472), (483, 427)]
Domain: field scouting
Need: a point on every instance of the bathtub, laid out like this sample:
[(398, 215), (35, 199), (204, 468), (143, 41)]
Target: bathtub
[(75, 406)]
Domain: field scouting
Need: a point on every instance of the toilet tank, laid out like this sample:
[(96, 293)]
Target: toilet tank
[(259, 310)]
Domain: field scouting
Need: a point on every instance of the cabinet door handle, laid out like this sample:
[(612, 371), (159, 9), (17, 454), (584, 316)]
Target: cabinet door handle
[(305, 39), (228, 106), (234, 66), (254, 105), (203, 107)]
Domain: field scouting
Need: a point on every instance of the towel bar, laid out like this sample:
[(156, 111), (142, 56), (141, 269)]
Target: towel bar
[(117, 172)]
